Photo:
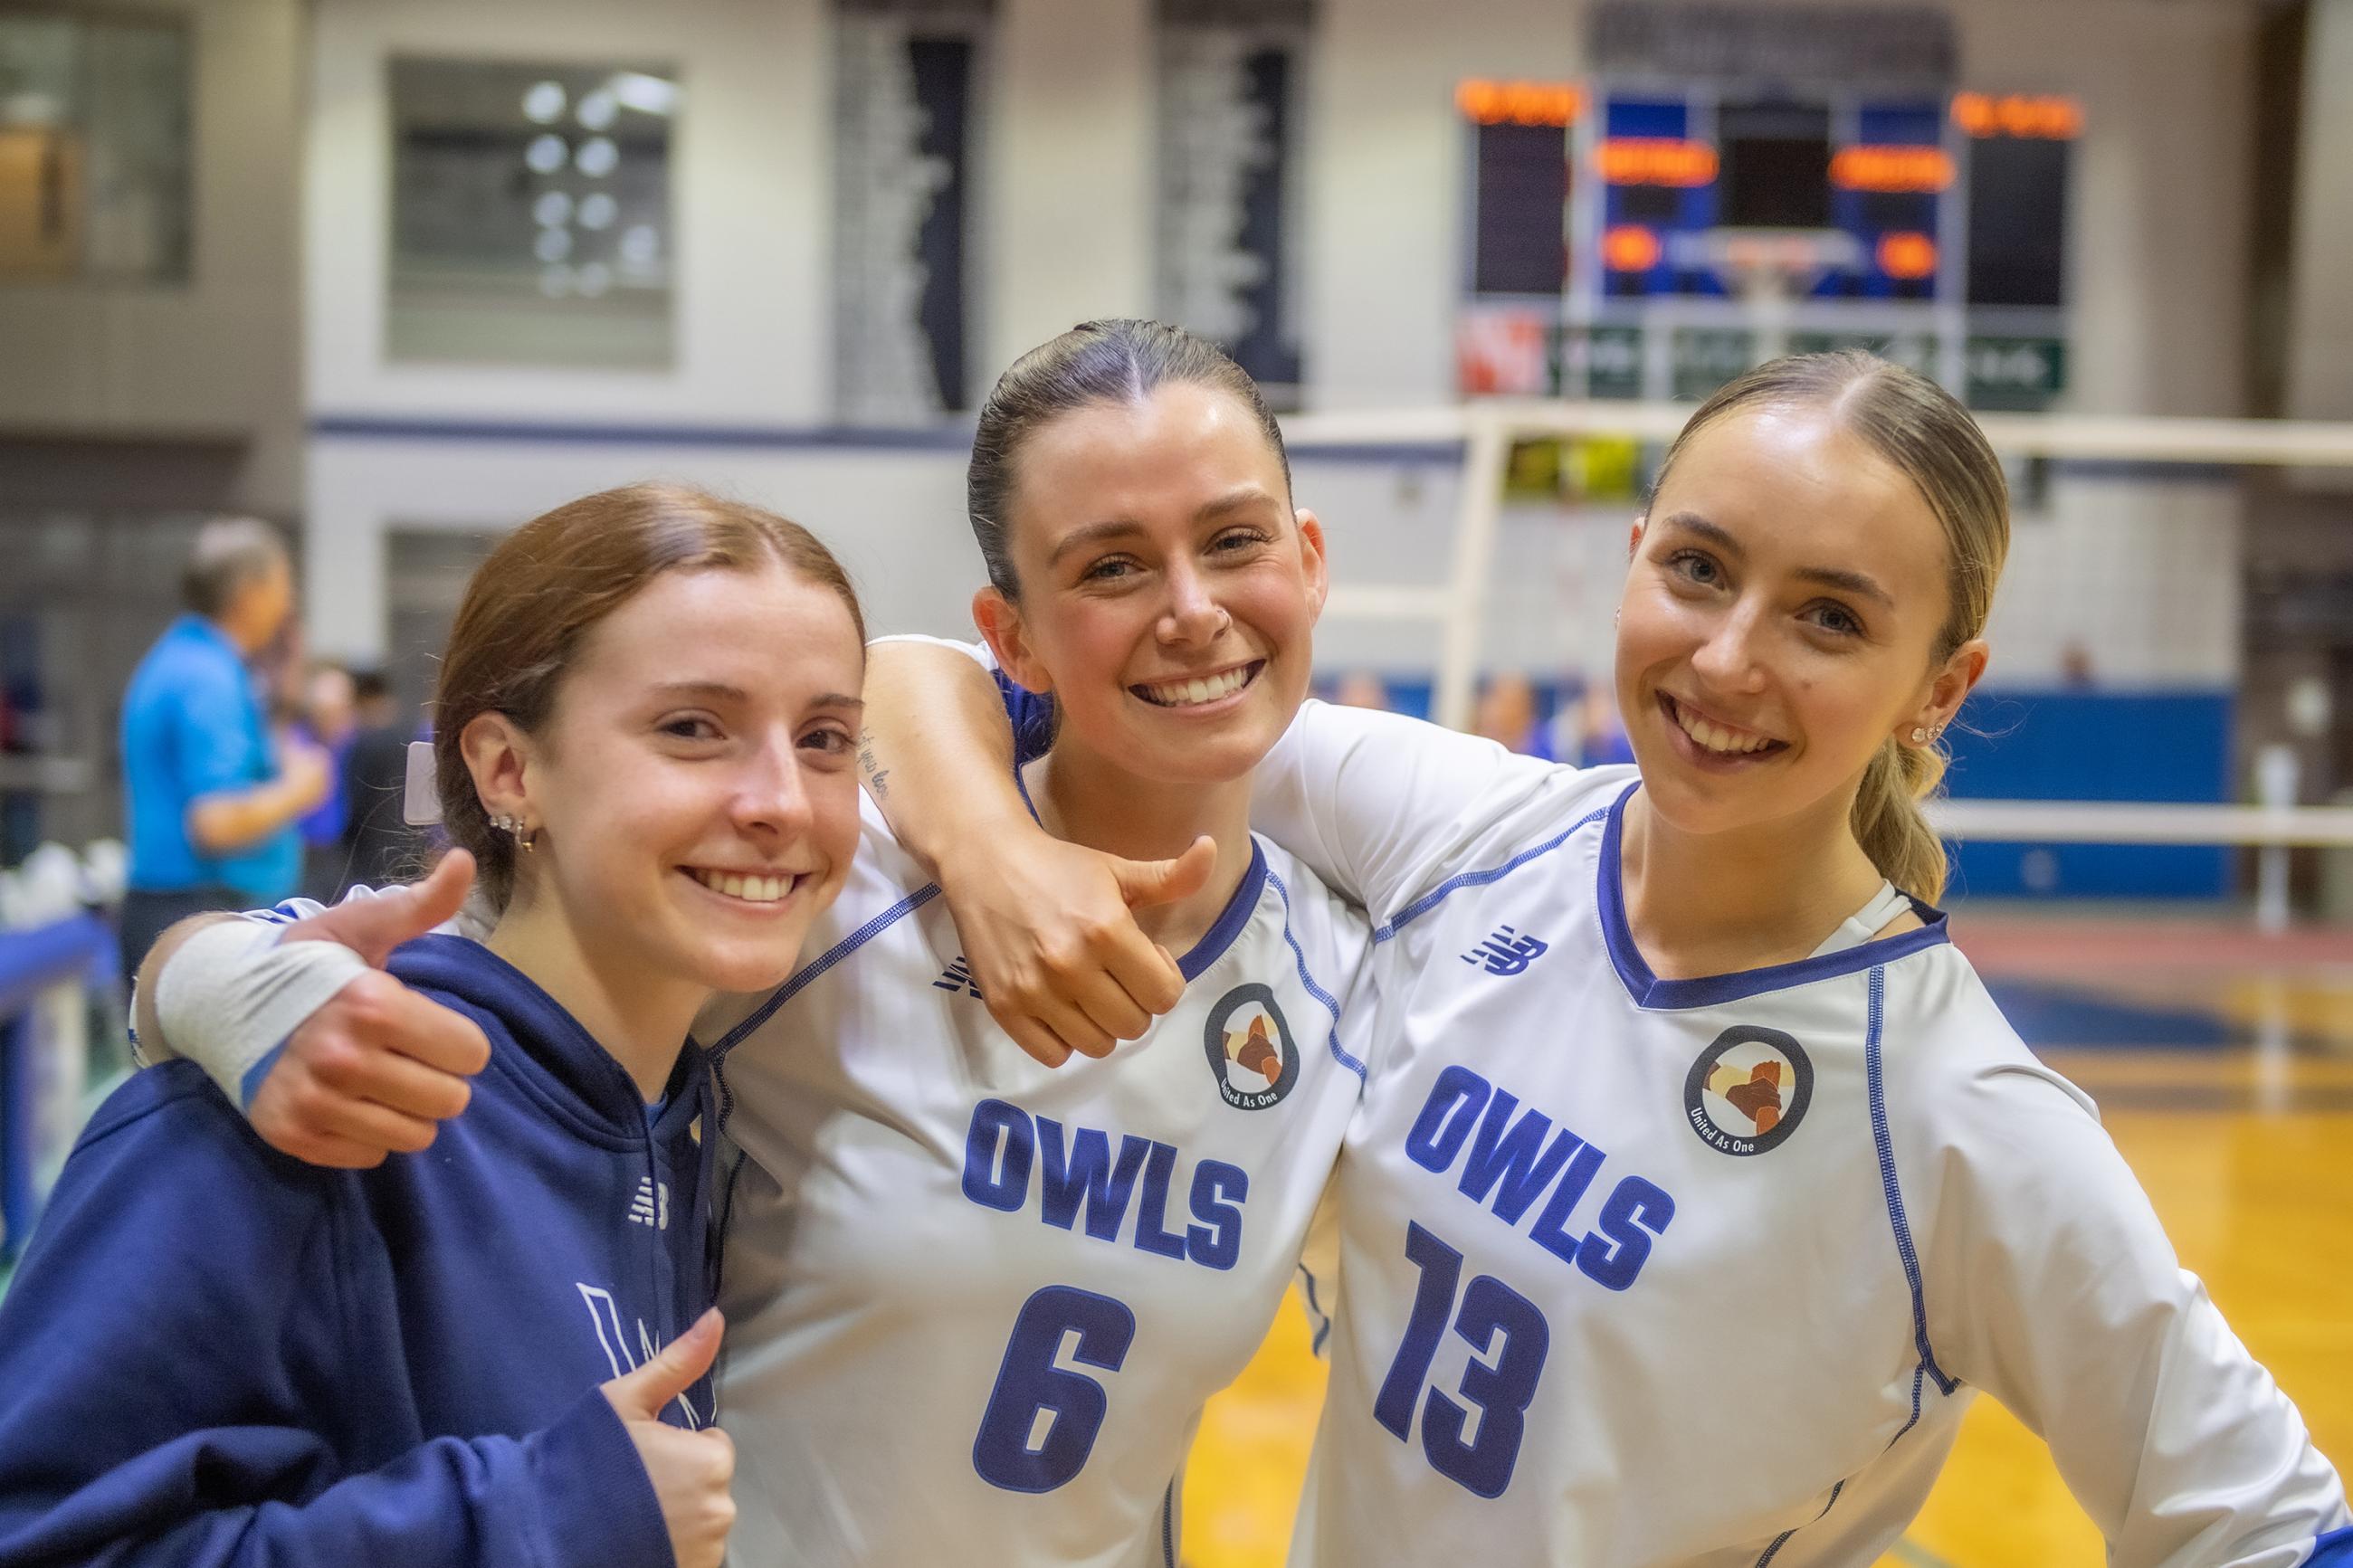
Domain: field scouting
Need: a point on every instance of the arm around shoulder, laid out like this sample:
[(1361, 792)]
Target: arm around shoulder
[(1381, 805)]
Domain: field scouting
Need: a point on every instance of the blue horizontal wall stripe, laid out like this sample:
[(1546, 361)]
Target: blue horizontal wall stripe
[(956, 437), (942, 438), (949, 437)]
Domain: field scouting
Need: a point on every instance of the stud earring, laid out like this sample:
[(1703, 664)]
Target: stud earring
[(1919, 735), (513, 828)]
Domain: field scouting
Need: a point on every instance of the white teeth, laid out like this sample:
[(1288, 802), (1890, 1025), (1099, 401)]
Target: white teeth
[(1715, 737), (751, 889), (1208, 688)]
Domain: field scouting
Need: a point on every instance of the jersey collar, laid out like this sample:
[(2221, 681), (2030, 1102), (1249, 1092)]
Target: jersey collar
[(1714, 990), (1230, 920)]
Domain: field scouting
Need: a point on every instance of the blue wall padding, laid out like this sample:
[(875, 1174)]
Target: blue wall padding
[(2025, 743)]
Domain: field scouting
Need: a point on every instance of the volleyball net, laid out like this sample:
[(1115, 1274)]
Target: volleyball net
[(2163, 719)]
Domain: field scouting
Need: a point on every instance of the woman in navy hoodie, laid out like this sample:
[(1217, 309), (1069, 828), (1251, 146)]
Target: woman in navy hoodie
[(217, 1354)]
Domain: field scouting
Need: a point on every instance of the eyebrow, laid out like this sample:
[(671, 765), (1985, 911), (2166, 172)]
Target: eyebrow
[(1093, 534), (1242, 497), (720, 691), (1828, 577)]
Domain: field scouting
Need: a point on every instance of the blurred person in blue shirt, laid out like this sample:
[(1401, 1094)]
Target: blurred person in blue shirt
[(213, 799), (328, 719)]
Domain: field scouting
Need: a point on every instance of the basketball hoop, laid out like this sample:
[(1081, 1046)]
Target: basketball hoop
[(1768, 270)]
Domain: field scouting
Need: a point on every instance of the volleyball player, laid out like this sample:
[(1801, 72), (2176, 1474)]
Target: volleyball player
[(214, 1355), (977, 1301), (1698, 1186)]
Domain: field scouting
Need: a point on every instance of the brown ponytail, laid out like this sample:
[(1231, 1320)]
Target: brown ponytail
[(1931, 439)]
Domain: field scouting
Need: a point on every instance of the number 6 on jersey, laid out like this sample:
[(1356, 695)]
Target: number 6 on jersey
[(1010, 1451)]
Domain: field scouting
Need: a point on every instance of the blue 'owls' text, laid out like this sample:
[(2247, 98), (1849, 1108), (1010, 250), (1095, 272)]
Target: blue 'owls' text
[(1081, 1186), (1512, 1157)]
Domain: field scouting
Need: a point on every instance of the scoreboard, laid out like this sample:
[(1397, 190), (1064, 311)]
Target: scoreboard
[(1641, 238)]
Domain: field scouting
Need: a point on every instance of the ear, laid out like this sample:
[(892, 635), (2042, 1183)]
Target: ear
[(1319, 574), (1947, 689), (1634, 533), (500, 756), (1000, 623)]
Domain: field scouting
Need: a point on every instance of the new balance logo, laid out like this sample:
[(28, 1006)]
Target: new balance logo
[(1507, 951), (651, 1205), (958, 976)]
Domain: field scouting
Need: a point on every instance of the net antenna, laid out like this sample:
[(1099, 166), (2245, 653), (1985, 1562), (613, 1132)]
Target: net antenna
[(1768, 270)]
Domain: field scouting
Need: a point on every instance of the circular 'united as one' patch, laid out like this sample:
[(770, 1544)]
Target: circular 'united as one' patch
[(1250, 1049), (1748, 1091)]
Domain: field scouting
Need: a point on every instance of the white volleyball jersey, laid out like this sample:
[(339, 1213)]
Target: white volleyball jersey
[(975, 1305), (1643, 1272)]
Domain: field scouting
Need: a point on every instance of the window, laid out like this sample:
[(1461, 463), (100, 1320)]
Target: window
[(531, 213), (94, 138)]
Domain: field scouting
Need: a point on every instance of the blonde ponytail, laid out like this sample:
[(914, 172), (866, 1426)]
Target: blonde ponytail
[(1889, 824), (1923, 431)]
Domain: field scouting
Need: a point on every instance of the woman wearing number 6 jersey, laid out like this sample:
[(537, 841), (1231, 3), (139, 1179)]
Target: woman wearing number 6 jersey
[(1698, 1185), (977, 1293), (495, 1353)]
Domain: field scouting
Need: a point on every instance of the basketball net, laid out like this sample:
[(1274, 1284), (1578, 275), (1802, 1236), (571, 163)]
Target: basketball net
[(1768, 270)]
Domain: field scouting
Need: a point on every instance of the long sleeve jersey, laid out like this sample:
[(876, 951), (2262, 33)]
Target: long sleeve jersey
[(1702, 1273)]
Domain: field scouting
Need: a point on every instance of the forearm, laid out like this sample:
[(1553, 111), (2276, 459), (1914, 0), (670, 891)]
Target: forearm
[(937, 752), (232, 820), (483, 1502), (146, 1022)]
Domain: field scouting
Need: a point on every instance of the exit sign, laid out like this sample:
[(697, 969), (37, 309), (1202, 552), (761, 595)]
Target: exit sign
[(2015, 374)]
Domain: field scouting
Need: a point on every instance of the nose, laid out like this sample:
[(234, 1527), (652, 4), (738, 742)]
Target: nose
[(1193, 614), (1728, 658), (771, 801)]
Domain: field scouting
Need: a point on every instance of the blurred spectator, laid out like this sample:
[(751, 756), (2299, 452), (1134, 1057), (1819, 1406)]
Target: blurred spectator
[(212, 802), (2075, 670), (326, 720), (1362, 689), (379, 847), (1596, 735), (1507, 715)]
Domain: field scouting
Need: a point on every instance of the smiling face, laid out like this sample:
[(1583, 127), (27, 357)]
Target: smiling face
[(693, 785), (1786, 597), (1167, 591)]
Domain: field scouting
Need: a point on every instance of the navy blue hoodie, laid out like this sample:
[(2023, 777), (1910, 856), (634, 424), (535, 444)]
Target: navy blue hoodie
[(216, 1354)]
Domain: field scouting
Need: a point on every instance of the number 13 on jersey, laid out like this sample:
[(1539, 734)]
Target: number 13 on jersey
[(1498, 1323)]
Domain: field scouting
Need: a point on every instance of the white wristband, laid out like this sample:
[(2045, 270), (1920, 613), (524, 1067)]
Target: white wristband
[(233, 993)]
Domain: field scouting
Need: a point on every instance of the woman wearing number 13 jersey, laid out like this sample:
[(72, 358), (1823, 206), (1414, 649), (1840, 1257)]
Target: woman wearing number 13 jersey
[(1698, 1185), (1705, 1269)]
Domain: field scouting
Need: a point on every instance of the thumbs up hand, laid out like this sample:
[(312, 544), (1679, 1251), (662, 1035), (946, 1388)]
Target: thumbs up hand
[(1053, 942), (691, 1470), (378, 1066)]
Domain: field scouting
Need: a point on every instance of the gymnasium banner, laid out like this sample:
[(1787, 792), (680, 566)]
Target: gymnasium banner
[(1233, 77), (909, 84)]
